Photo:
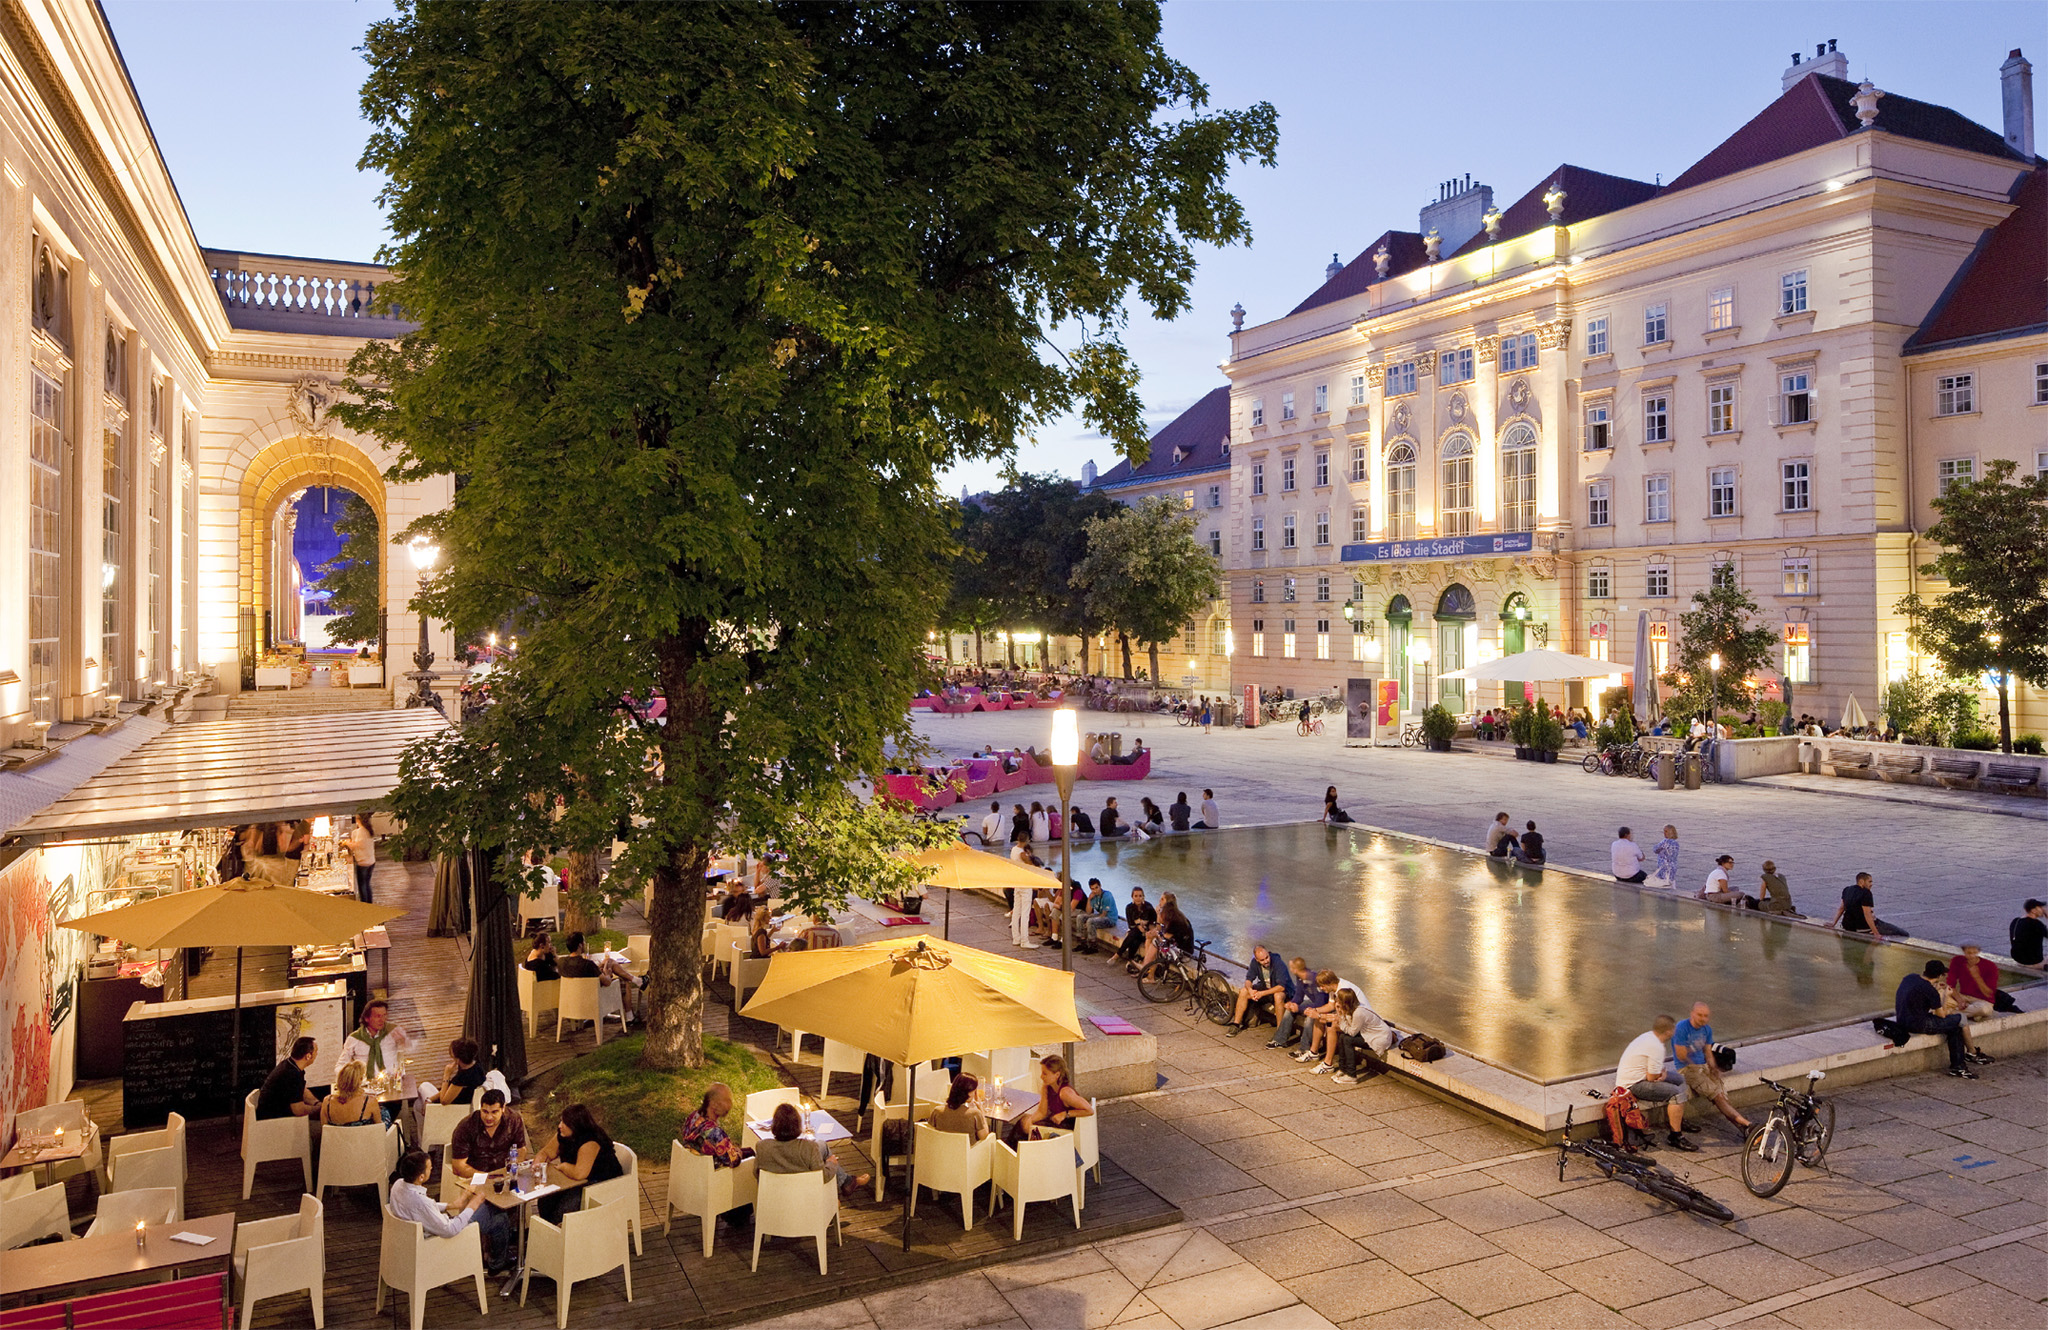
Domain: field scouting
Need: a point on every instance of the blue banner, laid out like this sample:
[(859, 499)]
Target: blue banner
[(1450, 547)]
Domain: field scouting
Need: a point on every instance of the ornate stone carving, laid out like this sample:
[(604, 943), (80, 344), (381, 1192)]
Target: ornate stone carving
[(1519, 397), (1458, 407), (1371, 574), (308, 402), (1375, 376), (1555, 335), (1397, 424), (1425, 362), (1382, 260), (1542, 567), (1489, 347)]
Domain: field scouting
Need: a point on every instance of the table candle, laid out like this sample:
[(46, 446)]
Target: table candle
[(141, 1235)]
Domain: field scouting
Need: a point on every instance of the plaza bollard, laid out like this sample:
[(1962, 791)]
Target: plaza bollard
[(1692, 771), (1666, 779)]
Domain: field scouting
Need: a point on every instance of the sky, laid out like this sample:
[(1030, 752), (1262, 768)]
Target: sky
[(256, 108)]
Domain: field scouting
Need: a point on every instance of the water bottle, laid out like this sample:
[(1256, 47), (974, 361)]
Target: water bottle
[(513, 1164)]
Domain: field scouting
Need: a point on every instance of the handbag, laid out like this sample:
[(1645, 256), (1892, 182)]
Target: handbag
[(1724, 1057), (1420, 1047)]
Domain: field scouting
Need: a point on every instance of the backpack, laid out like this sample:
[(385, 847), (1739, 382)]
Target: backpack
[(1626, 1126), (231, 865), (1420, 1047), (1892, 1030)]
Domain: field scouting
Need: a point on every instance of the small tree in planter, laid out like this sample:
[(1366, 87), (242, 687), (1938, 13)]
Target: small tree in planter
[(1546, 733), (1439, 727), (1521, 720)]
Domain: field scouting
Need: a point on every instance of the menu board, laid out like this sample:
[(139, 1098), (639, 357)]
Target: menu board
[(180, 1055)]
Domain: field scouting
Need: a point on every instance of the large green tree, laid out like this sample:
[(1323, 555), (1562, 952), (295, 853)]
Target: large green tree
[(1993, 619), (1019, 548), (354, 577), (1145, 575), (1719, 623), (707, 297)]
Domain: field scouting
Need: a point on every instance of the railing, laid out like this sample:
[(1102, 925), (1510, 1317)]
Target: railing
[(271, 293)]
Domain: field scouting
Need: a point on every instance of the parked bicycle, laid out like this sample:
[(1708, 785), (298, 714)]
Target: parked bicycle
[(1177, 975), (1312, 725), (1646, 1176), (1801, 1126), (1411, 734)]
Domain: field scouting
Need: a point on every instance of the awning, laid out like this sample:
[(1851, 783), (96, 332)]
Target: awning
[(1541, 666), (261, 769)]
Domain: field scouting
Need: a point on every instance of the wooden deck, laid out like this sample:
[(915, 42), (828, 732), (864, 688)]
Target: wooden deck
[(673, 1284)]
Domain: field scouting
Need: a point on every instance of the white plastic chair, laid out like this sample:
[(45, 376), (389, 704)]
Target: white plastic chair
[(761, 1106), (580, 1002), (840, 1059), (728, 934), (587, 1243), (29, 1213), (536, 996), (70, 1115), (947, 1161), (356, 1157), (639, 947), (880, 1113), (623, 1191), (273, 1138), (1014, 1065), (119, 1211), (149, 1159), (410, 1262), (438, 1123), (796, 1205), (1086, 1134), (284, 1255), (547, 906), (697, 1186), (747, 973), (1035, 1171)]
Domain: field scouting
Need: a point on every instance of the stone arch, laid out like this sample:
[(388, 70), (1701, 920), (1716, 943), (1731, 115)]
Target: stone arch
[(277, 472)]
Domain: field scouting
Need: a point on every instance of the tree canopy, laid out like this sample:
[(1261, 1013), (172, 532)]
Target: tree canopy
[(1717, 623), (354, 577), (707, 297), (1145, 575), (1019, 548)]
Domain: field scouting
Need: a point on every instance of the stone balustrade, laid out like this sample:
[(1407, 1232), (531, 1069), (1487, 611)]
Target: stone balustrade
[(1865, 759), (272, 293)]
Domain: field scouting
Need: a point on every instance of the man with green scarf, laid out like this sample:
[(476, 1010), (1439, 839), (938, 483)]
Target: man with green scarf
[(378, 1044)]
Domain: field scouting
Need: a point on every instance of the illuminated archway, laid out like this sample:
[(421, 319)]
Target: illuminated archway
[(272, 478)]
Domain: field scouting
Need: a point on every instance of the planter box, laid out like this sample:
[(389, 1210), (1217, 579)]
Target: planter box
[(273, 676)]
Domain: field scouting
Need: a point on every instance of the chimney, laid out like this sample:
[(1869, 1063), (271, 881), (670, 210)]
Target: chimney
[(1458, 212), (1334, 268), (1824, 60), (2016, 89), (1087, 475)]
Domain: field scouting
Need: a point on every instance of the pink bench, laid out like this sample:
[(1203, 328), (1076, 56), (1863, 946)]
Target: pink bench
[(182, 1304)]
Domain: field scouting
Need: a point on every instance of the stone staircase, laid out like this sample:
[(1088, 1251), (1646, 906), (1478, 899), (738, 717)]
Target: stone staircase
[(307, 702)]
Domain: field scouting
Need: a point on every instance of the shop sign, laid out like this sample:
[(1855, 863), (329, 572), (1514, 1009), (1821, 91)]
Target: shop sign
[(1450, 547), (1796, 635)]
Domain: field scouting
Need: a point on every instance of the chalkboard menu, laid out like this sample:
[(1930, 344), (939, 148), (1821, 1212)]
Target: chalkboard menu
[(182, 1063)]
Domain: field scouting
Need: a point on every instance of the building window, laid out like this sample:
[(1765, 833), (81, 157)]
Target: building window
[(1216, 543), (1798, 666), (1455, 366), (1360, 523), (1798, 577), (1721, 409), (1358, 390), (1401, 493), (1259, 638), (1721, 309), (1287, 532), (1952, 471), (1358, 464), (2041, 464), (1517, 353), (1323, 469), (1796, 395), (1456, 503), (1258, 412), (1287, 589), (1599, 434), (1215, 496), (1656, 498), (1955, 394), (2041, 383), (1798, 486), (1657, 581), (1599, 495), (1598, 584), (1518, 480), (1287, 406), (1657, 419), (1322, 398), (1401, 378), (1187, 498), (1721, 492), (1286, 475), (1323, 528), (1323, 589), (1358, 639), (1792, 293), (153, 614), (1258, 534), (1258, 477), (1287, 641), (113, 487), (1596, 337), (1322, 639), (1656, 324), (45, 541)]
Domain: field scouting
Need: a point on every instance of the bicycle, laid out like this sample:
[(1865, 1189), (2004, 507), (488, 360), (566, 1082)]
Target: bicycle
[(1313, 725), (1174, 975), (1411, 734), (1652, 1179), (1801, 1126)]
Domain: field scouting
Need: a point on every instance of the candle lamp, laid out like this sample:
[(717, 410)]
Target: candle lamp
[(141, 1235)]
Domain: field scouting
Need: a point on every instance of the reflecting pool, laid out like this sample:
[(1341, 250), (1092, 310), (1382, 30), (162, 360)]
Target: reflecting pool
[(1549, 975)]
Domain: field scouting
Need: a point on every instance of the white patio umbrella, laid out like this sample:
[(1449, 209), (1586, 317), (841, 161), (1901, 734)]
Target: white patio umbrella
[(1852, 714), (1645, 679), (1539, 666)]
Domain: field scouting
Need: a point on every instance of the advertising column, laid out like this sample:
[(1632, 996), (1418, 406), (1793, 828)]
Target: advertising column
[(1251, 706)]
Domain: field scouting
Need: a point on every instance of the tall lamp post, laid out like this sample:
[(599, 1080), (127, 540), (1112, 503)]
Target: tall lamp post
[(1714, 694), (424, 553), (1066, 765)]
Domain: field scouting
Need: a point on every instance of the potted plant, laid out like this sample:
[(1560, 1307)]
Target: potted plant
[(1439, 727), (1546, 733), (1519, 724)]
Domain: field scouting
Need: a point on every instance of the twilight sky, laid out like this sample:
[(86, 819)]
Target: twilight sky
[(255, 107)]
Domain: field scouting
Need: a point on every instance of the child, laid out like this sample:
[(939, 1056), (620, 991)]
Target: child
[(1667, 858)]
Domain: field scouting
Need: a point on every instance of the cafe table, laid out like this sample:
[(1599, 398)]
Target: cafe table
[(28, 1271), (1013, 1103), (822, 1128), (41, 1151), (500, 1196)]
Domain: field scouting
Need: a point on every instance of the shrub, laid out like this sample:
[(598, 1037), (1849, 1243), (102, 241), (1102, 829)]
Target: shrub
[(1978, 741), (1520, 721), (1439, 724), (2029, 744), (1546, 730)]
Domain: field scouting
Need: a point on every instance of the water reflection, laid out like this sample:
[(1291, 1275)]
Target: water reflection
[(1547, 974)]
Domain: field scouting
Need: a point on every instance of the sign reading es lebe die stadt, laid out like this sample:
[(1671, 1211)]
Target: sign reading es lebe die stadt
[(1450, 547)]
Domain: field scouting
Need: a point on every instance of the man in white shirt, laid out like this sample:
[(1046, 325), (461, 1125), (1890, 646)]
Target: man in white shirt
[(1626, 858), (1211, 817), (1643, 1074), (1499, 836), (992, 825)]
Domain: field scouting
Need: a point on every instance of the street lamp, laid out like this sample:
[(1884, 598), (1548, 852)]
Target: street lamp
[(424, 552), (1066, 764), (1714, 692)]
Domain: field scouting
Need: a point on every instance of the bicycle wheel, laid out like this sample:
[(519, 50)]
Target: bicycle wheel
[(1685, 1197), (1817, 1134), (1216, 998), (1767, 1157), (1163, 984), (1590, 762), (1407, 738)]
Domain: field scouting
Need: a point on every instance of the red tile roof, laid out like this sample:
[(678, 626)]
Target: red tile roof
[(1202, 430), (2002, 290), (1587, 194), (1403, 247)]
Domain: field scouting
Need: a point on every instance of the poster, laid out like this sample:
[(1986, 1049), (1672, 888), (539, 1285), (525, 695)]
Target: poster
[(1251, 706), (321, 1019), (1390, 703), (1359, 712)]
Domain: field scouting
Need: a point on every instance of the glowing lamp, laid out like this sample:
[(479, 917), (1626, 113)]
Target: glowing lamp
[(424, 553), (1066, 737), (322, 826)]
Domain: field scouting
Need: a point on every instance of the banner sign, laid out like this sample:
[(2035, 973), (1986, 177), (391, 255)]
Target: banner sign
[(1358, 710), (1251, 706), (1390, 703), (1450, 547)]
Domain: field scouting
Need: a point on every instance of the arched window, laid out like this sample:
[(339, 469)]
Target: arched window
[(1456, 603), (1456, 499), (1401, 492), (1518, 480)]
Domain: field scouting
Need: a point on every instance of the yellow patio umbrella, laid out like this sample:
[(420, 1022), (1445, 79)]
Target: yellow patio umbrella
[(247, 912), (914, 1001), (961, 867)]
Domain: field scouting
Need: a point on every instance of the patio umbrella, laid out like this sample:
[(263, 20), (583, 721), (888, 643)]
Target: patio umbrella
[(490, 1013), (1785, 695), (912, 1003), (449, 914), (247, 912), (1852, 715), (1645, 682), (961, 867), (1539, 666)]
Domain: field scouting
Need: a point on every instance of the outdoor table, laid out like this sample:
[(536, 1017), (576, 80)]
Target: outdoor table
[(1014, 1103), (28, 1271), (41, 1151), (822, 1127), (501, 1197)]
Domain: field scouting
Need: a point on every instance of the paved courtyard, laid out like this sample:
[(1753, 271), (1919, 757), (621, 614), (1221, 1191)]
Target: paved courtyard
[(1950, 867)]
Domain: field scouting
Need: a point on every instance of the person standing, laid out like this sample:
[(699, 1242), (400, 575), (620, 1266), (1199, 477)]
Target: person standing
[(1020, 907), (362, 852), (2027, 935), (1667, 858), (1625, 857)]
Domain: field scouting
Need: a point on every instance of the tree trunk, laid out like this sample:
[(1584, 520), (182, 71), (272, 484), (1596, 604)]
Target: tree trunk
[(1010, 648), (1123, 640), (1152, 656), (1084, 651), (2004, 712), (673, 1003), (977, 648), (580, 893)]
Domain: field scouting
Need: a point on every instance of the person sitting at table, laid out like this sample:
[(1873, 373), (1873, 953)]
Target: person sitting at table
[(787, 1151), (540, 959), (347, 1105), (581, 1152), (378, 1044), (956, 1116), (738, 906), (462, 1075), (761, 940), (410, 1202), (538, 859), (483, 1141), (1059, 1103), (284, 1093), (702, 1133), (821, 934), (578, 964)]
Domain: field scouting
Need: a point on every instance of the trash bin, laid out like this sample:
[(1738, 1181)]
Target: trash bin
[(1116, 746), (1666, 778), (1692, 771)]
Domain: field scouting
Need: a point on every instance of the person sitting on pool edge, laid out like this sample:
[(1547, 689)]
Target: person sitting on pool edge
[(1323, 1020), (1137, 915), (1264, 987), (1303, 997), (1528, 848), (1641, 1072)]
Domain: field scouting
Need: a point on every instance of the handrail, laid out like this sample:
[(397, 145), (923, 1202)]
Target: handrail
[(314, 288)]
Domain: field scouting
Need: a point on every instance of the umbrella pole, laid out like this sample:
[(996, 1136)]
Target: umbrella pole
[(948, 934), (235, 1058), (910, 1154)]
